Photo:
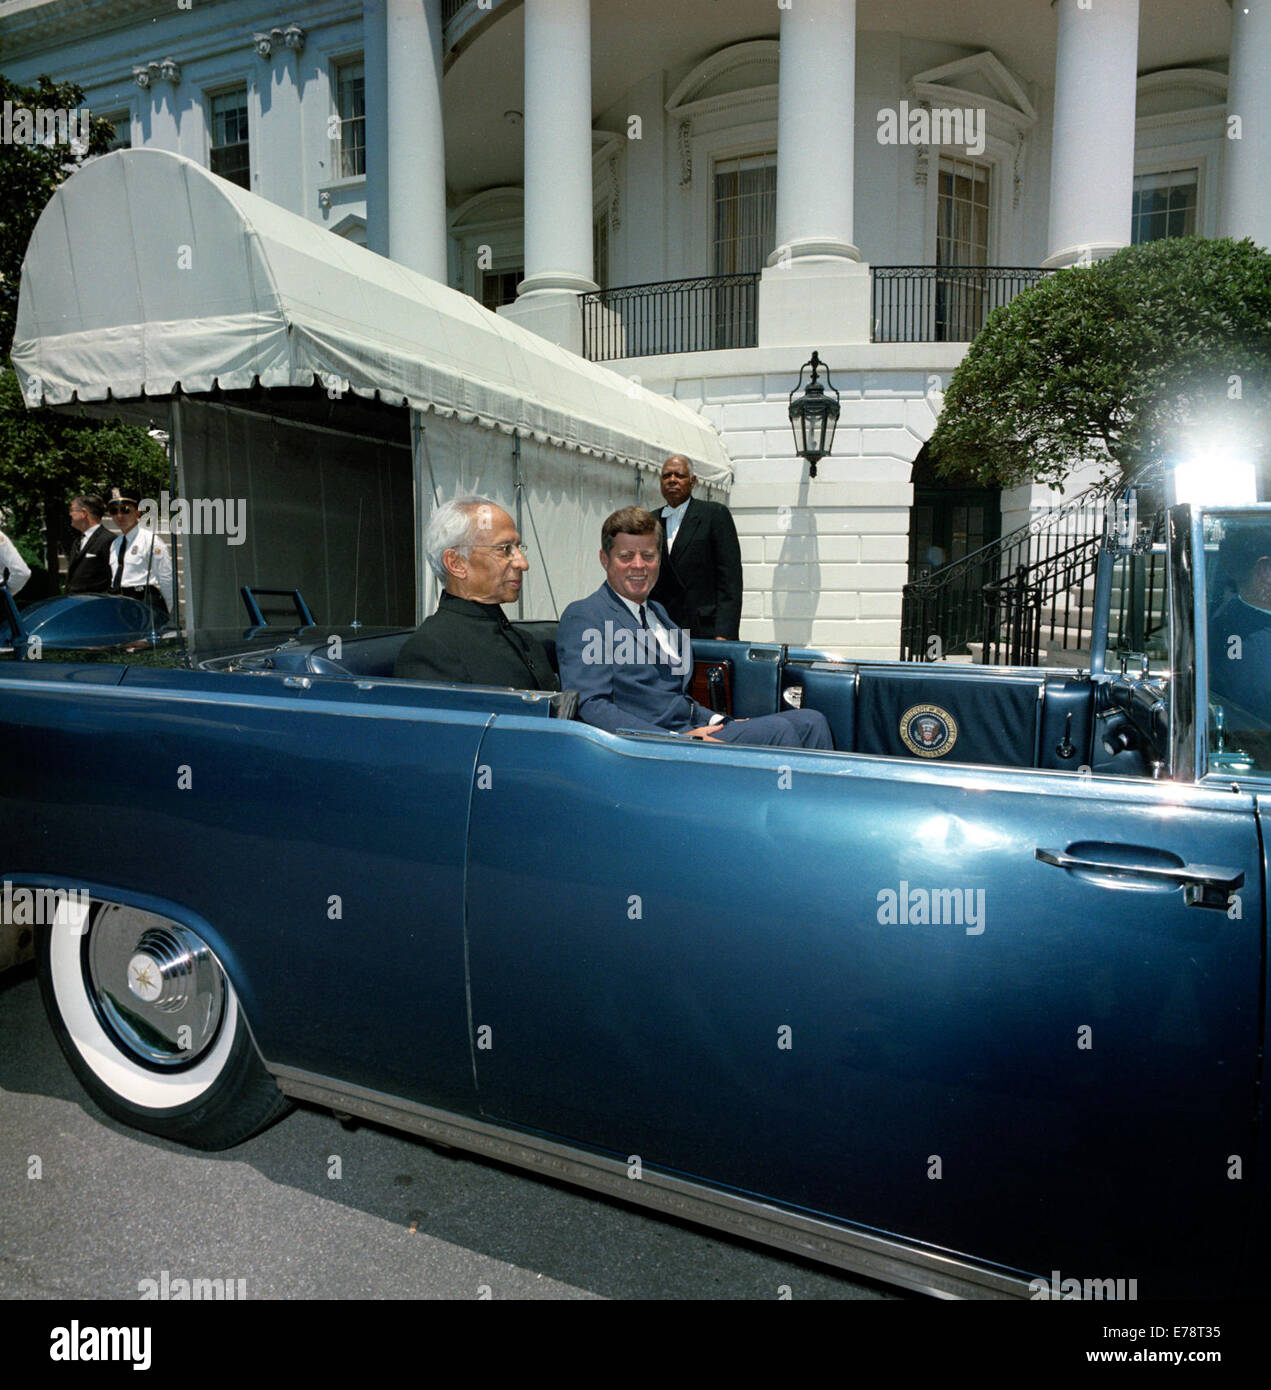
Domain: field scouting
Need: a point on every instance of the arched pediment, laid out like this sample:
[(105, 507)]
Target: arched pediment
[(1178, 90), (741, 71), (505, 204)]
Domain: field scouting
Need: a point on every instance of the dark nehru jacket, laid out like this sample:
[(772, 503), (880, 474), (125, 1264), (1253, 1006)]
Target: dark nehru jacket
[(470, 643)]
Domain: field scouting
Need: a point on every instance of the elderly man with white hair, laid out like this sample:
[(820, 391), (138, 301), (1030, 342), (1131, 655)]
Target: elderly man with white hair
[(474, 548)]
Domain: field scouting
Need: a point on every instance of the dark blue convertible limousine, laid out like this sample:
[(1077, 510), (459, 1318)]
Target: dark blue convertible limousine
[(975, 1004)]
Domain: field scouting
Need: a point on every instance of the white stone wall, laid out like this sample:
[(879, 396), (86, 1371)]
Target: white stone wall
[(824, 560), (289, 97)]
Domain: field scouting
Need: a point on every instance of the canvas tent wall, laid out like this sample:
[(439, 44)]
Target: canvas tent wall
[(149, 279)]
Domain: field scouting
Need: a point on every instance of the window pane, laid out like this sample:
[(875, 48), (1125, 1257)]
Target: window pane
[(745, 214), (230, 151), (122, 138), (962, 241), (351, 108), (1164, 205), (499, 286), (1238, 600), (600, 251)]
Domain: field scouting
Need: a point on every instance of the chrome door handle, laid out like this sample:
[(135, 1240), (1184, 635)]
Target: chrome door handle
[(1203, 885)]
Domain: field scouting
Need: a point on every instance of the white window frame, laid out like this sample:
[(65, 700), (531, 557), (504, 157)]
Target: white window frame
[(222, 88), (335, 61), (767, 154), (1176, 167), (117, 116)]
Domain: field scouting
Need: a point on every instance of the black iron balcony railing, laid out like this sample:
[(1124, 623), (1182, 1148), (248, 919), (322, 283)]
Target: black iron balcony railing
[(706, 314), (942, 304)]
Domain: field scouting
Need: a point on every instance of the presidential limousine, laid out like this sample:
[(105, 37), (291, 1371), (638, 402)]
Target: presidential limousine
[(975, 1003)]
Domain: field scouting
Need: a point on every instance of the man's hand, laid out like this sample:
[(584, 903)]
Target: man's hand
[(706, 733)]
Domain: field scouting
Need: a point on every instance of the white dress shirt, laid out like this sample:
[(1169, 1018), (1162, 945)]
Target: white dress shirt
[(10, 559), (671, 518), (148, 561), (662, 634), (86, 536)]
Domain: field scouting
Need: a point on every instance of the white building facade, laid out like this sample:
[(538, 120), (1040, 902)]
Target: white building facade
[(701, 194)]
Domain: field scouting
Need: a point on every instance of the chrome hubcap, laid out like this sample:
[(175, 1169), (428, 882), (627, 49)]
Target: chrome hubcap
[(156, 984)]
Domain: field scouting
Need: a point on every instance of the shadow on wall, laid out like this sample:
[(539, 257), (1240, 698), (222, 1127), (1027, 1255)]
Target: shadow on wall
[(796, 581)]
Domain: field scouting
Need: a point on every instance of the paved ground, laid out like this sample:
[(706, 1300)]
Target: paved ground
[(113, 1208)]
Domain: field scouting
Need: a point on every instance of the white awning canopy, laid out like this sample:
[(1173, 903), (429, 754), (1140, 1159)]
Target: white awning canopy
[(146, 272)]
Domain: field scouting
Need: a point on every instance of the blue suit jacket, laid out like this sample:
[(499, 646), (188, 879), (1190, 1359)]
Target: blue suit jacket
[(604, 654)]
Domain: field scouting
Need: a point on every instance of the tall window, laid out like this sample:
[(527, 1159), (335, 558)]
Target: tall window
[(745, 213), (230, 156), (962, 228), (745, 235), (962, 239), (600, 250), (1165, 205), (122, 138), (350, 102)]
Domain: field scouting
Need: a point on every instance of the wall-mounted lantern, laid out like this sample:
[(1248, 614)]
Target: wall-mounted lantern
[(814, 415)]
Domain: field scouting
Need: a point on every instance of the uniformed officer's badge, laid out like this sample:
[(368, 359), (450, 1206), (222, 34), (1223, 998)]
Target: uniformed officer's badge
[(928, 730)]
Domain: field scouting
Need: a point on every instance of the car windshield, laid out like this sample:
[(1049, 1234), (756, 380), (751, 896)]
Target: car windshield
[(1238, 606)]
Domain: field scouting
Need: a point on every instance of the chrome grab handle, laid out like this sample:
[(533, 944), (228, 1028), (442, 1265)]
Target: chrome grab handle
[(1203, 885)]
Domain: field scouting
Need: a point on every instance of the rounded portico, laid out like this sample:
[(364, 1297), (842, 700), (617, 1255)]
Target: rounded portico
[(741, 183)]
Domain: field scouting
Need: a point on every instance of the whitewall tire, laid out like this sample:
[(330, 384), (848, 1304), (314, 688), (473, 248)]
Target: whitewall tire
[(151, 1025)]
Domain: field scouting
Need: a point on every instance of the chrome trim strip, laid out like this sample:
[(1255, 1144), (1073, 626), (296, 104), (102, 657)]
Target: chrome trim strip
[(888, 1260), (1184, 748)]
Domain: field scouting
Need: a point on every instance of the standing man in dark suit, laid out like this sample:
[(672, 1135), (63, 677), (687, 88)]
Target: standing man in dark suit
[(89, 569), (632, 667), (700, 580)]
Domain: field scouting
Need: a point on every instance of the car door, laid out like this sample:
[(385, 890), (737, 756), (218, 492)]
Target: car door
[(848, 984)]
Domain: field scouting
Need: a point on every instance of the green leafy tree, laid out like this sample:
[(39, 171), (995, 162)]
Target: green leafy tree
[(46, 456), (1123, 361)]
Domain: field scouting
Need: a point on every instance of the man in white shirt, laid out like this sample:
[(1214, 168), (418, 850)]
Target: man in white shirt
[(11, 560), (140, 563)]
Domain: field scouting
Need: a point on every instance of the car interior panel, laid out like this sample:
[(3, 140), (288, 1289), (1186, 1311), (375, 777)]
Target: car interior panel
[(1066, 721)]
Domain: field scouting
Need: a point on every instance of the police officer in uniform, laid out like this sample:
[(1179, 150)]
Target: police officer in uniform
[(11, 560), (140, 563)]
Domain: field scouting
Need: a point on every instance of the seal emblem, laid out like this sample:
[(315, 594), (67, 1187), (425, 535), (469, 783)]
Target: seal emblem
[(928, 730)]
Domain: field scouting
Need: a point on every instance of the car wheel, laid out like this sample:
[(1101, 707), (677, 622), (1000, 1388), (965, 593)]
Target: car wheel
[(152, 1027)]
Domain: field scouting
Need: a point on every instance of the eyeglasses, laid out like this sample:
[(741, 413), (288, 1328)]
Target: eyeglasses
[(118, 507), (506, 550)]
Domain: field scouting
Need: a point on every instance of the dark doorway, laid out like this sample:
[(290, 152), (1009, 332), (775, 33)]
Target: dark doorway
[(950, 518)]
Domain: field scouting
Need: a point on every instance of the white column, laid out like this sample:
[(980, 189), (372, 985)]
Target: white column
[(816, 123), (375, 64), (416, 147), (815, 290), (1246, 204), (558, 193), (557, 146), (1092, 159)]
